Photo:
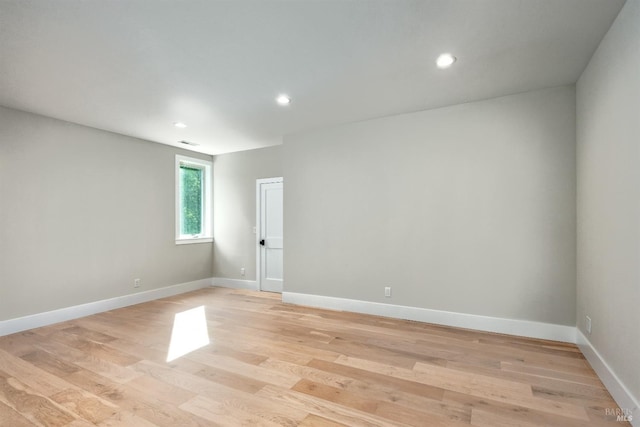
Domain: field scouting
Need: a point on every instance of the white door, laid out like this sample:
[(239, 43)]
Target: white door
[(270, 236)]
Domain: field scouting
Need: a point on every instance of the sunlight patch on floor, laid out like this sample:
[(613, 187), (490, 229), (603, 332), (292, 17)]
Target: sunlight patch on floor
[(189, 333)]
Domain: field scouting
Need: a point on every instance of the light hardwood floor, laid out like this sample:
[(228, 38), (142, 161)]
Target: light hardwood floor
[(274, 364)]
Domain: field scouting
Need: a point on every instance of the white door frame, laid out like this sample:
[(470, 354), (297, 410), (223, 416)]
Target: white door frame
[(259, 182)]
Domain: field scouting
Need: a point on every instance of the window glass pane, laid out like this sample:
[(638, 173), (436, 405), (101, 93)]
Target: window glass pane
[(191, 194)]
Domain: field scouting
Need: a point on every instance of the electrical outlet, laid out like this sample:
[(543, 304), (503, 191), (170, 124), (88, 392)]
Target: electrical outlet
[(136, 283), (242, 271), (588, 324), (387, 291)]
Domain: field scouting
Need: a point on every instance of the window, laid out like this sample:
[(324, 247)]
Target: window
[(193, 200)]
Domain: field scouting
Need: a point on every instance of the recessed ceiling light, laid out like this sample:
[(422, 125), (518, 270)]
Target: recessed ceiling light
[(445, 60), (283, 100), (180, 125)]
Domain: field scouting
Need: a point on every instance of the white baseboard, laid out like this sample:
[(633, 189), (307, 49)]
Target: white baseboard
[(68, 313), (623, 397), (469, 321), (619, 392), (235, 283)]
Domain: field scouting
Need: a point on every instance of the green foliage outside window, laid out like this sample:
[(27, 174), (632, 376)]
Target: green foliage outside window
[(191, 183)]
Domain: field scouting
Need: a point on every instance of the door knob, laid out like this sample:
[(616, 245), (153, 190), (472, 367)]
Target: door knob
[(262, 242)]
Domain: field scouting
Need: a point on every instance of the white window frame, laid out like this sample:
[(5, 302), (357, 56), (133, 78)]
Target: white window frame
[(207, 230)]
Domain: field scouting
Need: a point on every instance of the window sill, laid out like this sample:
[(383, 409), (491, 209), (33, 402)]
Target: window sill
[(194, 241)]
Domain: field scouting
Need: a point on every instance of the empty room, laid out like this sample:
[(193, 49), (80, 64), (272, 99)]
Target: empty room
[(319, 213)]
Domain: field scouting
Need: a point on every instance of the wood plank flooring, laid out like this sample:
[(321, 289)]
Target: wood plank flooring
[(272, 364)]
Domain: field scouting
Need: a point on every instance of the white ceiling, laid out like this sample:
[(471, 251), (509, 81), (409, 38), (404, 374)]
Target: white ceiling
[(137, 66)]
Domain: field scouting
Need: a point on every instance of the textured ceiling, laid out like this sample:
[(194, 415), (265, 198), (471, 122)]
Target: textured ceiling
[(137, 66)]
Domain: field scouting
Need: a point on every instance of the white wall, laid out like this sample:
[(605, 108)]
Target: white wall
[(82, 213), (469, 208), (234, 208), (608, 166)]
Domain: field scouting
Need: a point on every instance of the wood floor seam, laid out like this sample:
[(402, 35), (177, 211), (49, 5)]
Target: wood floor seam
[(265, 363)]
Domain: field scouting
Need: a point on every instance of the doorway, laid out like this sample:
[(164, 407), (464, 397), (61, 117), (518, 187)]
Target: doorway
[(269, 234)]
